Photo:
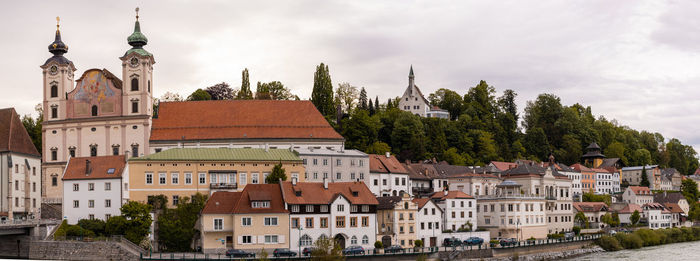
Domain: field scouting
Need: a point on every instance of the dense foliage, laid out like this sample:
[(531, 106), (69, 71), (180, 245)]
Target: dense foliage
[(134, 224), (647, 237), (277, 174), (176, 226)]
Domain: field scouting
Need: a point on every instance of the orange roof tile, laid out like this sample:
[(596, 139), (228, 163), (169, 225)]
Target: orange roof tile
[(101, 167), (674, 208), (504, 165), (630, 208), (580, 168), (452, 194), (13, 135), (384, 164), (314, 193), (240, 119), (590, 206), (221, 202), (260, 192), (639, 190)]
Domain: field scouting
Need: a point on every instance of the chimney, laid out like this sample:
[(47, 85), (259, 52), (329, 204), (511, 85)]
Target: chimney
[(325, 183), (294, 181), (445, 192), (127, 153), (388, 154), (88, 168)]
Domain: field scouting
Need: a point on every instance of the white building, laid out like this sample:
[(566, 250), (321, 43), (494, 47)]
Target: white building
[(511, 214), (388, 177), (20, 170), (637, 195), (603, 182), (428, 220), (93, 187), (575, 178), (656, 215), (616, 182), (344, 211), (334, 165), (414, 102), (459, 210)]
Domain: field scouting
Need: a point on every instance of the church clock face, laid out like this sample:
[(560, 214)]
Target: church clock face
[(53, 70), (134, 62)]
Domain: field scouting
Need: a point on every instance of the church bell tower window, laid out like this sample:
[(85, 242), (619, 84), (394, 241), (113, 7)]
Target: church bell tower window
[(94, 110), (93, 150), (134, 84), (54, 91)]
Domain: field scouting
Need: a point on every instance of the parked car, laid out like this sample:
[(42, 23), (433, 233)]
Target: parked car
[(307, 251), (279, 252), (569, 235), (353, 250), (452, 242), (508, 242), (473, 241), (393, 249), (238, 253)]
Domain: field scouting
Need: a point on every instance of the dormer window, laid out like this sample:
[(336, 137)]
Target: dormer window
[(355, 193), (324, 208), (295, 208), (260, 204)]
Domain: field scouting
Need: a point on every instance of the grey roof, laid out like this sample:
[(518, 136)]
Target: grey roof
[(327, 152), (669, 172), (508, 183), (609, 162), (639, 167), (593, 145), (670, 197), (387, 202)]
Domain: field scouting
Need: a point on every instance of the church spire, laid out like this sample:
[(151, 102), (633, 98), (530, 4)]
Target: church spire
[(58, 48), (410, 80), (137, 39)]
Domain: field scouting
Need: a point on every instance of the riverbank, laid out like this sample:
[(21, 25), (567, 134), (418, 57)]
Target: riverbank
[(647, 237), (554, 255), (668, 252)]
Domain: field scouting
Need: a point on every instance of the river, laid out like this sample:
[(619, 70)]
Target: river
[(678, 251)]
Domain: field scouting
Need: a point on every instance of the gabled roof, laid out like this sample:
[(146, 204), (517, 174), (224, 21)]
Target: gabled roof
[(524, 169), (674, 208), (580, 168), (654, 205), (599, 170), (420, 94), (417, 171), (101, 167), (669, 172), (590, 206), (13, 135), (648, 167), (630, 208), (221, 202), (387, 202), (503, 166), (384, 164), (639, 190), (668, 197), (260, 192), (452, 194), (314, 193), (610, 162), (240, 119), (220, 154)]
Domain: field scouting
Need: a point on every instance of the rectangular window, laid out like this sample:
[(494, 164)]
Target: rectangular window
[(91, 216), (115, 150), (340, 222), (353, 208), (246, 221), (309, 208), (149, 178), (338, 162), (76, 187), (254, 178), (107, 217), (325, 162), (202, 178), (76, 204), (295, 208), (134, 107), (324, 208), (108, 186), (309, 222), (247, 239), (365, 221), (270, 221), (91, 186), (338, 176), (295, 223), (108, 203), (162, 178), (218, 224), (323, 222), (341, 208), (353, 222), (212, 178), (315, 161), (352, 176), (365, 208), (176, 199), (175, 179), (271, 239), (244, 179), (188, 178), (91, 203)]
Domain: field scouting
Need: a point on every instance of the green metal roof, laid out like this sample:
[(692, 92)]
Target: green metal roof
[(221, 154), (140, 51)]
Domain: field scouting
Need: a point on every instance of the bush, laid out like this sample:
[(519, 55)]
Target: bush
[(577, 230), (77, 231), (609, 243), (418, 243), (95, 225), (378, 244), (494, 242), (555, 236)]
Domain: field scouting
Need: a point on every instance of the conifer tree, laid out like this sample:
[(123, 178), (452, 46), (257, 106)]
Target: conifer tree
[(245, 93), (322, 93), (363, 99), (376, 103), (645, 180), (371, 108)]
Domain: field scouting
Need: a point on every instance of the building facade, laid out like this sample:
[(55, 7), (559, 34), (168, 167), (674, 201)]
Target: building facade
[(460, 213), (334, 165), (101, 114), (633, 175), (603, 182), (387, 176), (637, 195), (20, 170), (414, 102), (397, 220), (428, 220), (508, 213), (177, 173), (93, 187)]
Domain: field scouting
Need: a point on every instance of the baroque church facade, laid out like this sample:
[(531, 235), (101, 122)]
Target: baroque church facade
[(96, 115)]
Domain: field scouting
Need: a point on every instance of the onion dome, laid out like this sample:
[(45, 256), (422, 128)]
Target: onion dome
[(137, 39), (58, 48)]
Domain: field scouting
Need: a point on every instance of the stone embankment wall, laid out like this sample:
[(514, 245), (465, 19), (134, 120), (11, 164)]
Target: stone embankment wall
[(528, 250), (76, 250)]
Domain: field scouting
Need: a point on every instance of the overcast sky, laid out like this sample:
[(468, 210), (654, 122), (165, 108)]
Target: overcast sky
[(634, 61)]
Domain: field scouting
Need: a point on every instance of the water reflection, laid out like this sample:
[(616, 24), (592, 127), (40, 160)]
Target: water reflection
[(679, 251)]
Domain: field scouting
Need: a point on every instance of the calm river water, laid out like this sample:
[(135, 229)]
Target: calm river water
[(679, 251)]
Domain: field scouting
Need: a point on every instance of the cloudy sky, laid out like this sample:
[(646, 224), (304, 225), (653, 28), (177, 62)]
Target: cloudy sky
[(634, 61)]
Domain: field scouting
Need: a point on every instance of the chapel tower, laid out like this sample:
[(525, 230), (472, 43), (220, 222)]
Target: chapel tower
[(58, 79)]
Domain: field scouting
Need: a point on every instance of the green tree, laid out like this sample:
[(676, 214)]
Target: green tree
[(262, 92), (245, 93), (33, 126), (138, 220), (221, 91), (277, 173), (360, 130), (347, 94), (634, 218), (616, 150), (407, 137), (326, 249), (453, 157), (615, 219), (177, 226), (536, 143), (690, 190), (379, 148), (581, 219), (645, 179), (607, 219), (95, 225), (371, 108), (116, 225), (199, 95), (448, 100), (322, 93), (376, 103), (363, 99)]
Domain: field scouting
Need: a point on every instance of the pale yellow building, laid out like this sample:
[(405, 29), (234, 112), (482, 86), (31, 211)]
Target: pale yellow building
[(396, 220), (181, 172), (251, 220)]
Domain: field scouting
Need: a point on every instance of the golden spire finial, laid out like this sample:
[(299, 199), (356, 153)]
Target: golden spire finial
[(137, 13), (58, 20)]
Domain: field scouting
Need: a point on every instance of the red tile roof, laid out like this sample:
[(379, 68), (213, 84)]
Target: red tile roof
[(578, 167), (639, 190), (452, 194), (590, 206), (598, 170), (504, 165), (223, 202), (100, 167), (674, 208), (422, 202), (630, 208), (384, 164), (314, 193), (240, 119), (13, 135)]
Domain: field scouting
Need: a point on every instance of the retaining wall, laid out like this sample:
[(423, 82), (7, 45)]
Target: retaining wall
[(76, 250), (527, 250)]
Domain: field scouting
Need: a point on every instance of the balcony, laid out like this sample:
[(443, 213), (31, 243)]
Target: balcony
[(223, 186), (421, 190)]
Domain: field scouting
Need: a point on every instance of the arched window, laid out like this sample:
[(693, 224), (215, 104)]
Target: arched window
[(94, 110), (54, 91), (134, 84), (405, 205), (54, 180), (305, 240), (365, 240), (93, 150), (149, 86), (353, 240)]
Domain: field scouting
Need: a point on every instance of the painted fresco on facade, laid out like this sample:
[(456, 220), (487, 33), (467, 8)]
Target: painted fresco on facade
[(94, 86)]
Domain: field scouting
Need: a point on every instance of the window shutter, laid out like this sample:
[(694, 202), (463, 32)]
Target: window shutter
[(240, 240), (261, 239), (280, 239), (253, 239)]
